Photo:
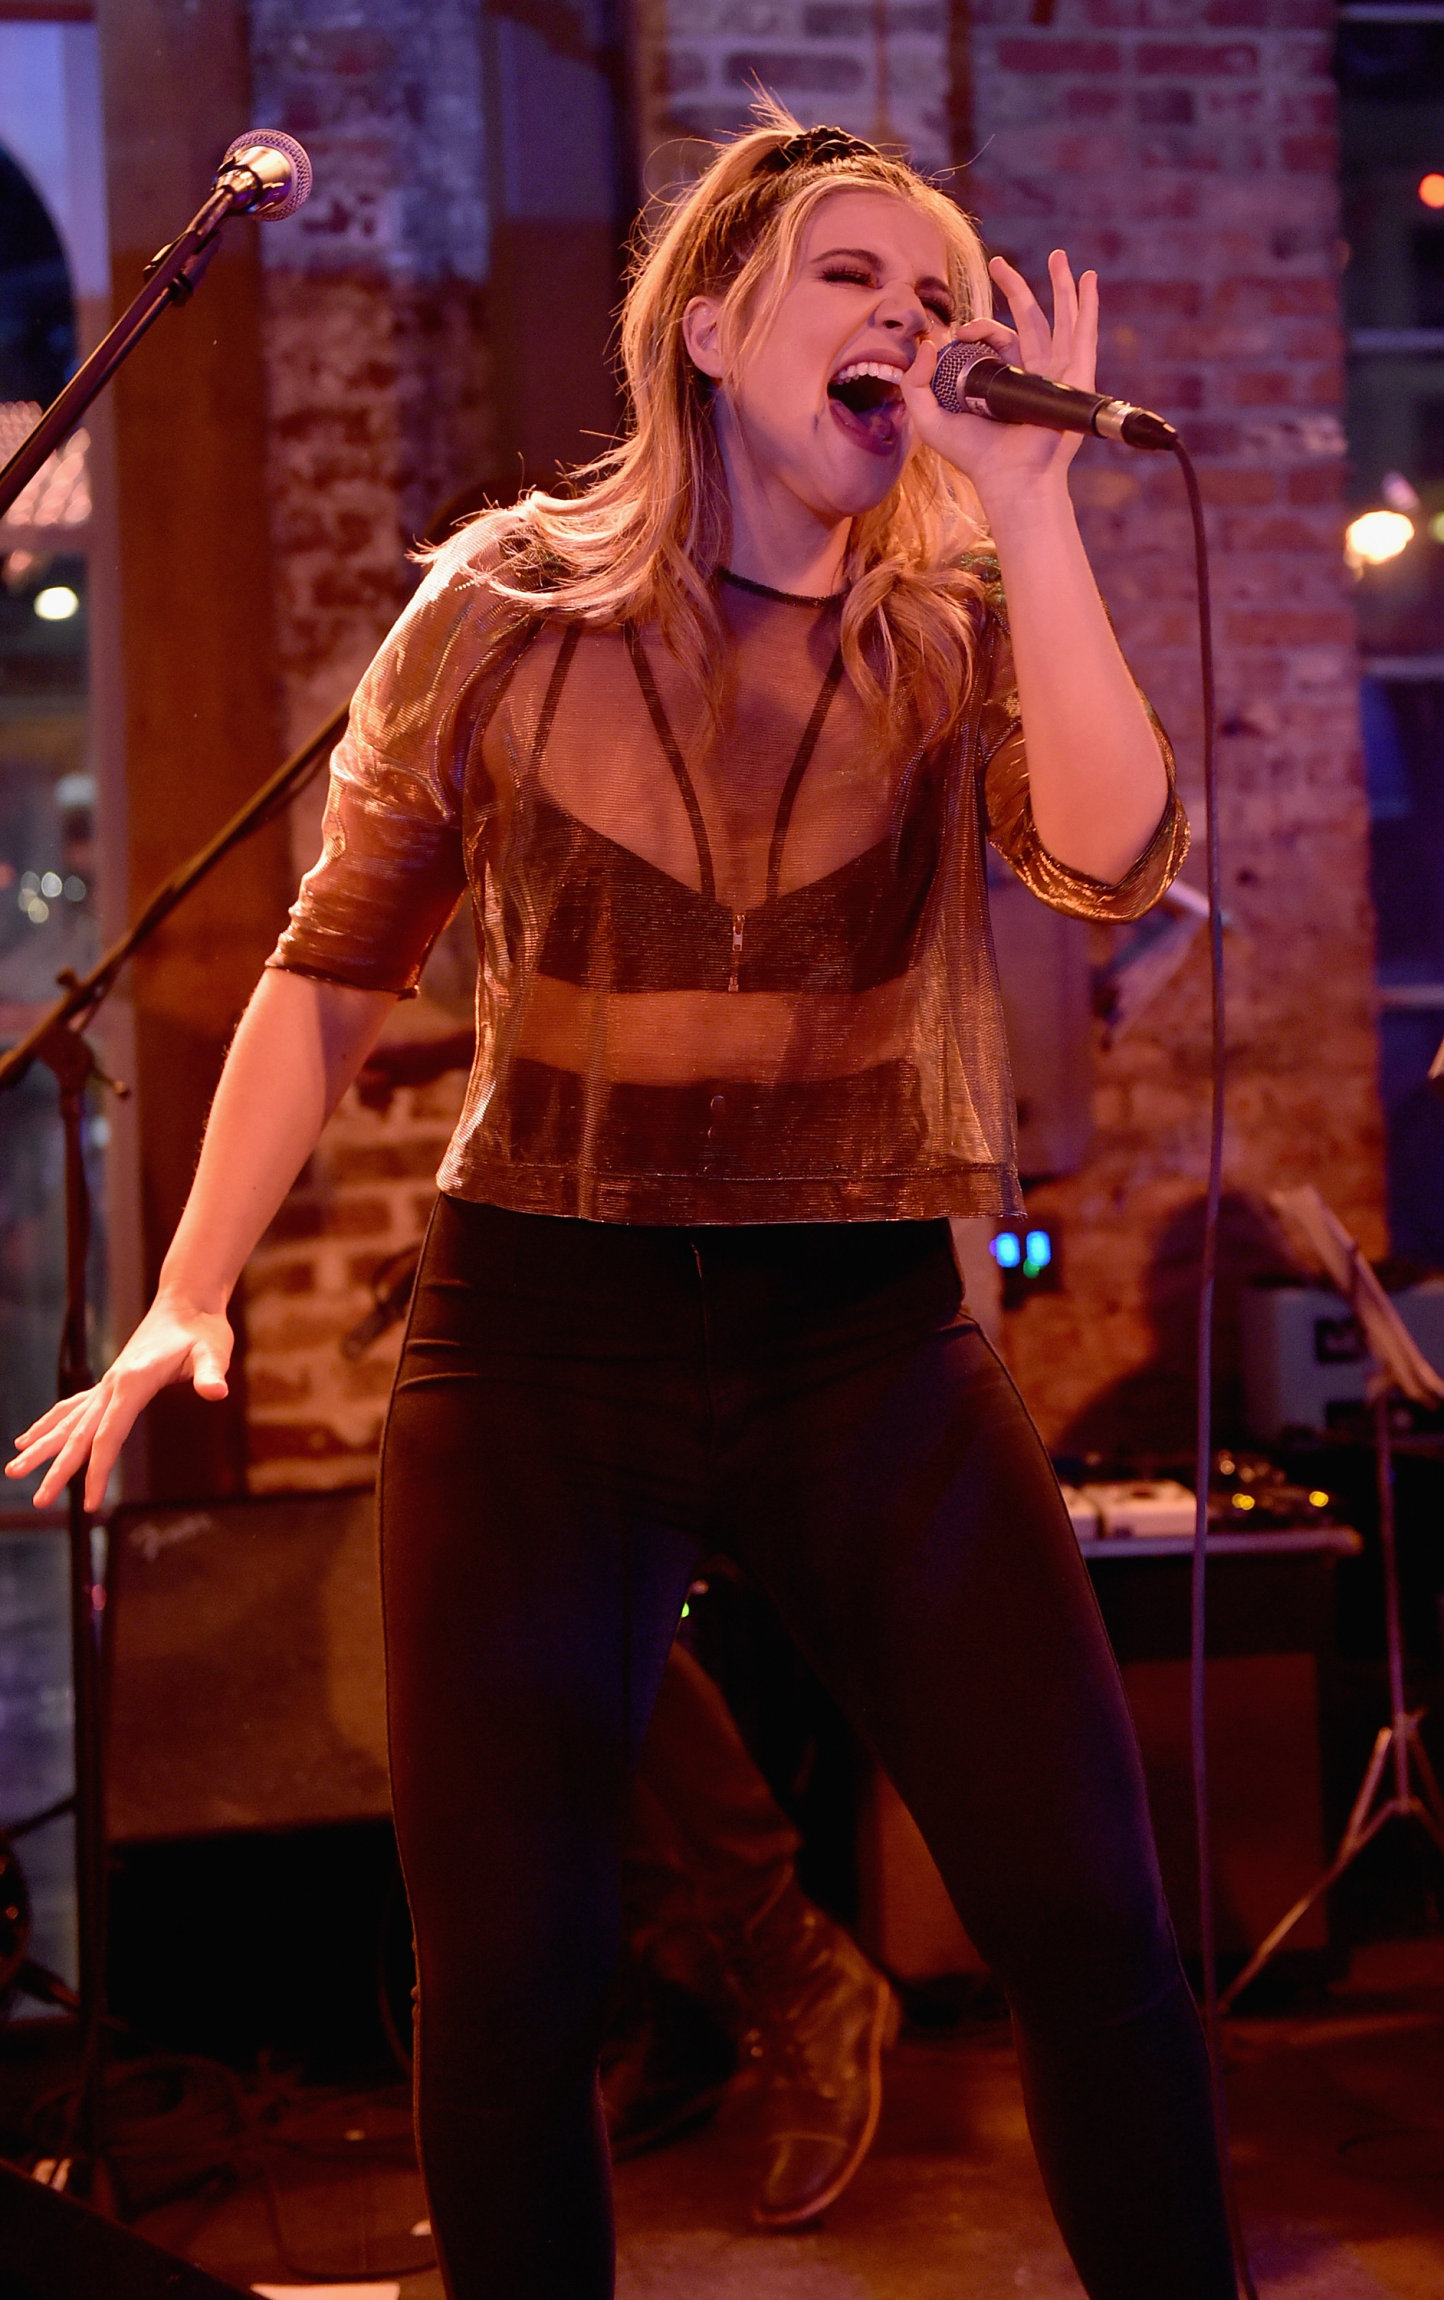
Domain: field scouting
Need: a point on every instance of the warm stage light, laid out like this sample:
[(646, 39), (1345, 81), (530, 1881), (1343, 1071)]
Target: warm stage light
[(1431, 191), (57, 603), (1376, 536)]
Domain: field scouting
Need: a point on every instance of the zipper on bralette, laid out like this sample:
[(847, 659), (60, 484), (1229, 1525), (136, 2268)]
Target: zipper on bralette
[(739, 921)]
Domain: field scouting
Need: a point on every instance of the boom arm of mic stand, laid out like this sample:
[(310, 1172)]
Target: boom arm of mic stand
[(171, 279), (84, 994)]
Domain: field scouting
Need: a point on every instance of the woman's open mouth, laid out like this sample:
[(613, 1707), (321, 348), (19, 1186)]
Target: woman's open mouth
[(868, 404)]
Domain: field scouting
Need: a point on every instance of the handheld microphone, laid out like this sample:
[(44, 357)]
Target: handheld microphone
[(969, 379), (268, 174)]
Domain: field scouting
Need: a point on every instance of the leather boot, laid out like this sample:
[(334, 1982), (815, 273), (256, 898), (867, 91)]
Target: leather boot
[(818, 2020), (665, 2069)]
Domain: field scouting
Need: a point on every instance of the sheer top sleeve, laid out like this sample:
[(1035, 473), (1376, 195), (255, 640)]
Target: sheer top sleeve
[(408, 796), (1008, 809)]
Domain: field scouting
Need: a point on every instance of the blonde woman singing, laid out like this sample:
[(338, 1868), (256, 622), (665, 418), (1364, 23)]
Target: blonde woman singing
[(712, 747)]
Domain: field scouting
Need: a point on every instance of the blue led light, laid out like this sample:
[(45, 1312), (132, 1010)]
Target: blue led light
[(1040, 1250), (1007, 1253)]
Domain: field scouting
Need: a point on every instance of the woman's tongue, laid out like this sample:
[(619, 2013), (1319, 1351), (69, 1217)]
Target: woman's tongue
[(874, 426)]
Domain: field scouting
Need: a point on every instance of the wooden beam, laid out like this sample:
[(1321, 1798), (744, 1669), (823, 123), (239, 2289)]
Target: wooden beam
[(195, 633)]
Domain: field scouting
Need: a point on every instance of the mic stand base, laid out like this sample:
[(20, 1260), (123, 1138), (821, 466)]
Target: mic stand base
[(1399, 1766)]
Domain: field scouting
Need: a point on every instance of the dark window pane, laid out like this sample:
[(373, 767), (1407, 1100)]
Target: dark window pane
[(37, 317), (1404, 62), (1404, 743), (1428, 254)]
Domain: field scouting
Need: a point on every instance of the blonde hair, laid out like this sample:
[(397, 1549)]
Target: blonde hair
[(648, 526)]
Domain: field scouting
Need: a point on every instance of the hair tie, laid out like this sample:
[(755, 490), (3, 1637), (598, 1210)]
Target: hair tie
[(814, 147)]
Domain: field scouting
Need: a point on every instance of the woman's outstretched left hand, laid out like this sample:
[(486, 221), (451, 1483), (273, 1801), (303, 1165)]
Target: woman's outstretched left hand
[(174, 1342), (1001, 457)]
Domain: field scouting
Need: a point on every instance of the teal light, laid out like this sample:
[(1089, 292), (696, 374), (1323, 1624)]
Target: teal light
[(1040, 1250), (1007, 1253)]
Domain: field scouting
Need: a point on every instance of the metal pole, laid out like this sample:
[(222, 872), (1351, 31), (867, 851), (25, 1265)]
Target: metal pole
[(1394, 1638), (71, 1058)]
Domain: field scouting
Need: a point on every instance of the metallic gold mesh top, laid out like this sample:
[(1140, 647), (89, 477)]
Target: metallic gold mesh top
[(738, 977)]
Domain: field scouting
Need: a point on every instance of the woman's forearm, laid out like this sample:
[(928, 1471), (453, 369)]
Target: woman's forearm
[(299, 1045), (1095, 773)]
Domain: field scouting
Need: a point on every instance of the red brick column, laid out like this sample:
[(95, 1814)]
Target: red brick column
[(1186, 148), (378, 409)]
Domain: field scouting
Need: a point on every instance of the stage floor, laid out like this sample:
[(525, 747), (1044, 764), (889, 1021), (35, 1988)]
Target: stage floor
[(1339, 2131)]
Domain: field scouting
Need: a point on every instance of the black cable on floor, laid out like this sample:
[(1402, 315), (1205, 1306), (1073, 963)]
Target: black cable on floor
[(1203, 1461), (191, 2121)]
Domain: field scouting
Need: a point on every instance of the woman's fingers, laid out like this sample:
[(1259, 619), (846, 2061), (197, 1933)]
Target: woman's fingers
[(925, 359), (1084, 363), (1068, 349), (208, 1370), (111, 1431), (1065, 312), (108, 1416), (1035, 337), (61, 1411), (68, 1460), (166, 1347), (45, 1437)]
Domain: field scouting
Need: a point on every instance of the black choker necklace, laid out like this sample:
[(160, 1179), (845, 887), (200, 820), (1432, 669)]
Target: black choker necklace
[(788, 598)]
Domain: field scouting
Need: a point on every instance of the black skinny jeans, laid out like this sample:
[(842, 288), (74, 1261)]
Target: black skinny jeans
[(583, 1411)]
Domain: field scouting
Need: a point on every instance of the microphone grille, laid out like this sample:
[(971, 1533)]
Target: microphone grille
[(299, 188), (954, 361)]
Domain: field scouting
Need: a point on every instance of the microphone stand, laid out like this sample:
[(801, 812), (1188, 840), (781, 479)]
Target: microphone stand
[(1399, 1783), (171, 278), (57, 1040)]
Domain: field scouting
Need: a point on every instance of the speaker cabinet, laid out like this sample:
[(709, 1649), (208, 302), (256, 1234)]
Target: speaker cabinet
[(1265, 1797), (246, 1688), (1271, 1612)]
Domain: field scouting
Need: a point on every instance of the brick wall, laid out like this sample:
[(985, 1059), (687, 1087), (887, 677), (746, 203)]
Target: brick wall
[(1183, 146), (877, 67), (1186, 147), (375, 324), (378, 412), (315, 1416)]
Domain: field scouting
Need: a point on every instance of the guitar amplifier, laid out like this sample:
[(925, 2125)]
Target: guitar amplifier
[(246, 1667), (1304, 1355)]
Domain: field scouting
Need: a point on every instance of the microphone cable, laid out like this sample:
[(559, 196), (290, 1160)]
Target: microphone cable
[(1203, 1463), (1015, 395)]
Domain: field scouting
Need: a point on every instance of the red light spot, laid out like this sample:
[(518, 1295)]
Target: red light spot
[(1431, 191)]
